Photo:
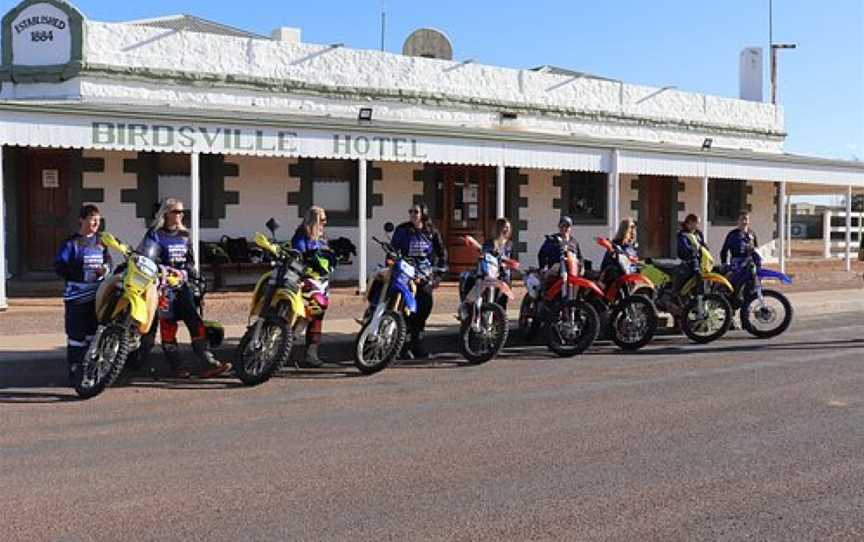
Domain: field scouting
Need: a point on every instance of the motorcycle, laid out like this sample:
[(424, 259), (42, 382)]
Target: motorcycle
[(390, 294), (284, 299), (483, 321), (764, 312), (564, 306), (126, 304), (632, 321), (703, 313)]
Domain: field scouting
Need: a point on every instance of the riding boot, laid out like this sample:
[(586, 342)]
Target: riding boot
[(172, 356), (311, 358), (211, 366), (313, 339), (418, 350), (74, 357)]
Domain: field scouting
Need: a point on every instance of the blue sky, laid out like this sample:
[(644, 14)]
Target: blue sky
[(688, 43)]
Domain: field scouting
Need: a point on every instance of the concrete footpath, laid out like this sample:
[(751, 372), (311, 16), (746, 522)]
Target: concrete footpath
[(340, 331)]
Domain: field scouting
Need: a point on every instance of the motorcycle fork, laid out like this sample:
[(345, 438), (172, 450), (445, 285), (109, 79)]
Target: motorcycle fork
[(380, 308)]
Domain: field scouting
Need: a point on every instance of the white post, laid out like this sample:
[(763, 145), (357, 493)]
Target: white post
[(195, 204), (826, 234), (3, 303), (789, 228), (499, 191), (614, 193), (705, 204), (781, 225), (361, 223), (849, 229)]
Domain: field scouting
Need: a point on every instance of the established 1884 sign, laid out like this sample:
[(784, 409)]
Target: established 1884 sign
[(42, 40)]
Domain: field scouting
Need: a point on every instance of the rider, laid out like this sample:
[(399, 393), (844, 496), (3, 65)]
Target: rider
[(624, 241), (169, 240), (740, 242), (550, 252), (310, 241), (419, 239), (691, 250), (82, 261), (500, 246)]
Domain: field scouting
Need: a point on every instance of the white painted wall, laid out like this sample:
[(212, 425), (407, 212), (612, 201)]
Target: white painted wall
[(119, 217)]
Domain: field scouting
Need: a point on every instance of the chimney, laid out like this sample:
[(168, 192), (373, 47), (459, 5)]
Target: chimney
[(750, 74), (286, 34)]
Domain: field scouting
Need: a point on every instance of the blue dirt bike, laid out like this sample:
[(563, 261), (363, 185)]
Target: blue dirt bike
[(391, 296), (764, 312)]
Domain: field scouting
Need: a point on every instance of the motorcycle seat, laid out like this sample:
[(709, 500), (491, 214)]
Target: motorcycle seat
[(667, 265)]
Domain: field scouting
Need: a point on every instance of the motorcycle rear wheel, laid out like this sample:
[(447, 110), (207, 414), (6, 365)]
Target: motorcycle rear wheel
[(586, 321), (374, 354), (256, 364), (478, 348), (103, 363)]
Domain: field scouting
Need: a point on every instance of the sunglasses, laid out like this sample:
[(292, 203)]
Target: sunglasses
[(175, 212), (414, 211)]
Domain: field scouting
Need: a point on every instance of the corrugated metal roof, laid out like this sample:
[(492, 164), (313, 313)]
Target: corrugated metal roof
[(196, 24)]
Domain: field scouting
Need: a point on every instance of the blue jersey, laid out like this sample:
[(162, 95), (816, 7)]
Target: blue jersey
[(313, 251), (688, 253), (172, 248), (80, 261), (738, 244), (423, 245), (550, 251), (625, 248), (505, 251)]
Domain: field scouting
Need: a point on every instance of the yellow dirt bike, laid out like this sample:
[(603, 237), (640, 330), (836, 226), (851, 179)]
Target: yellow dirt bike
[(283, 300), (126, 304), (703, 313)]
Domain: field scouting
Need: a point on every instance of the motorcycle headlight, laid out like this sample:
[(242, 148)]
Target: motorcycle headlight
[(146, 266)]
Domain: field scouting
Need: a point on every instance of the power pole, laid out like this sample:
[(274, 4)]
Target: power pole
[(773, 48)]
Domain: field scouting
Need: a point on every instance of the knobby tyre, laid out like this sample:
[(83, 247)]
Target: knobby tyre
[(480, 347), (374, 354), (256, 363), (633, 323), (757, 320), (102, 368), (528, 321), (564, 341), (714, 324)]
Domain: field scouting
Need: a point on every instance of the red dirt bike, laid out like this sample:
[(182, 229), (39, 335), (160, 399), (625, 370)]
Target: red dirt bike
[(632, 316), (564, 304), (483, 330)]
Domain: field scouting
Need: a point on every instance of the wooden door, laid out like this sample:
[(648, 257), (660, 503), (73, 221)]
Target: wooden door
[(46, 187), (656, 222), (465, 212)]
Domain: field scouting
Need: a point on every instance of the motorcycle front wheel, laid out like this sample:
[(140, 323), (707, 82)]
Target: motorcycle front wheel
[(572, 329), (373, 352), (257, 360), (103, 362), (769, 318), (633, 323), (710, 323), (481, 345)]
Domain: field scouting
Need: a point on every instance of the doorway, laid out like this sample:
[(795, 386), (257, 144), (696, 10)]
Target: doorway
[(46, 207), (657, 210), (466, 196)]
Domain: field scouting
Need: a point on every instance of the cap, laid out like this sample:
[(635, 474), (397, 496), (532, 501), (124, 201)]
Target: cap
[(565, 221)]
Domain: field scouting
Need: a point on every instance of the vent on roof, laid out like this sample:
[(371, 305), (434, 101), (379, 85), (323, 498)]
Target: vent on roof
[(196, 24), (428, 43), (555, 70)]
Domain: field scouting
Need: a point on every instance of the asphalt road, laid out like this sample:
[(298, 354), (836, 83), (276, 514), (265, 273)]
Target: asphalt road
[(738, 439)]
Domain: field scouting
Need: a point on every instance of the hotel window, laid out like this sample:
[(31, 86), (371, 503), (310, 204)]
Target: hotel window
[(726, 198), (585, 197), (334, 187)]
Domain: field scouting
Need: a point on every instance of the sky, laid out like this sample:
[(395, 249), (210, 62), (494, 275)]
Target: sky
[(692, 44)]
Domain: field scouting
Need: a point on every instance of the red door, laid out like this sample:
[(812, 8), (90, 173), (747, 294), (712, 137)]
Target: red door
[(46, 186), (465, 212), (656, 223)]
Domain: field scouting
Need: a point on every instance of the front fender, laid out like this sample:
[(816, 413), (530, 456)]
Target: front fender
[(770, 274), (580, 282), (713, 278)]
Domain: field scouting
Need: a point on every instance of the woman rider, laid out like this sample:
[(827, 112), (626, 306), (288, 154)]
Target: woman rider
[(309, 240), (740, 242), (624, 241), (82, 261), (168, 240), (501, 246), (691, 245), (418, 239)]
